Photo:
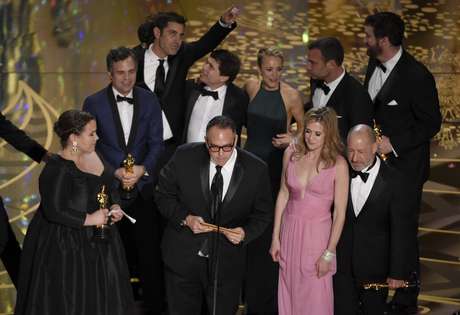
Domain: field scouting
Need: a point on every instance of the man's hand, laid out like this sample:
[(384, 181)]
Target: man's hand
[(394, 283), (194, 223), (229, 16), (130, 179), (236, 237), (384, 145), (282, 140)]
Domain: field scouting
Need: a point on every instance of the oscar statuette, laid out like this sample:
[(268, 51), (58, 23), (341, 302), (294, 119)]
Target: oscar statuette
[(102, 232), (378, 135), (128, 192)]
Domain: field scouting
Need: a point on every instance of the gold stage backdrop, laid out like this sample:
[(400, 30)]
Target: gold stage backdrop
[(52, 55)]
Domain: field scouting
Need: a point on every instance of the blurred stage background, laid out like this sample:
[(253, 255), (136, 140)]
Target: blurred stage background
[(52, 55)]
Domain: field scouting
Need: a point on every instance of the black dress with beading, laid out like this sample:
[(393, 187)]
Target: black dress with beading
[(63, 270)]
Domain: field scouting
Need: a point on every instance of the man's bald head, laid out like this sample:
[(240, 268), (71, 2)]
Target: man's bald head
[(361, 146), (362, 131)]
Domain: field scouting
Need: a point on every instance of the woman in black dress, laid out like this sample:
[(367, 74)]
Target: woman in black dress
[(64, 268)]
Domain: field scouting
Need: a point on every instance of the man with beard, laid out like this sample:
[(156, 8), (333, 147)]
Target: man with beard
[(214, 94), (407, 110), (332, 86), (379, 231)]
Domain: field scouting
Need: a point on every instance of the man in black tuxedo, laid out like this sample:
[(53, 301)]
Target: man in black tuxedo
[(214, 94), (407, 110), (199, 176), (332, 86), (10, 252), (378, 238), (164, 64), (129, 121)]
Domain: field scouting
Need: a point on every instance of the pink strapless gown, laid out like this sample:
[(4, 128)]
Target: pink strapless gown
[(305, 231)]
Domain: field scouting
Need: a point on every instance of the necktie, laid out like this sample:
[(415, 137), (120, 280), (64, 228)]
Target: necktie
[(204, 92), (160, 79), (321, 85), (381, 66), (217, 186), (120, 98)]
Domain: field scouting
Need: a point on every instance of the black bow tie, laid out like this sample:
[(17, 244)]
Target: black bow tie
[(120, 98), (321, 85), (204, 92), (381, 66), (364, 175)]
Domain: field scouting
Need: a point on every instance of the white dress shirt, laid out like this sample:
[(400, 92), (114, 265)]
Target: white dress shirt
[(151, 63), (320, 99), (125, 111), (360, 190), (379, 77), (227, 171), (205, 109)]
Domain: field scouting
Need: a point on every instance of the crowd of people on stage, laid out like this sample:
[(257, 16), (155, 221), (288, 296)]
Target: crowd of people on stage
[(316, 213)]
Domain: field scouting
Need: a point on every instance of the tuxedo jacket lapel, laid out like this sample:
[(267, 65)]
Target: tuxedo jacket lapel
[(140, 68), (235, 181), (369, 72), (335, 101), (204, 179), (377, 190), (194, 94), (389, 85), (172, 64), (116, 118), (135, 121), (229, 102)]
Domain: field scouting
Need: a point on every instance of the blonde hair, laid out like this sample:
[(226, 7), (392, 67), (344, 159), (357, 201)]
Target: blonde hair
[(333, 146), (269, 52)]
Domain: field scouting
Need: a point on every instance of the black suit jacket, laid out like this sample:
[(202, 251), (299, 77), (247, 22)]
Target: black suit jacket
[(381, 240), (414, 120), (183, 189), (351, 102), (235, 105), (172, 101), (22, 142)]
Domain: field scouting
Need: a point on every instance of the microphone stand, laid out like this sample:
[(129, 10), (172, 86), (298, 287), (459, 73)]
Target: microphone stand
[(215, 213)]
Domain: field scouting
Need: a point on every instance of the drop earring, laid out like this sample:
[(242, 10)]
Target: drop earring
[(74, 147)]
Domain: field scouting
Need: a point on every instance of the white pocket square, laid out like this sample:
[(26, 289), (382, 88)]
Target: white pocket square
[(338, 116), (392, 103)]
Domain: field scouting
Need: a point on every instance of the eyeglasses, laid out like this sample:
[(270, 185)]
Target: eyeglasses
[(216, 148)]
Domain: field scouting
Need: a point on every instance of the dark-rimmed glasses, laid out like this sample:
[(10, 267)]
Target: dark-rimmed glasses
[(216, 148)]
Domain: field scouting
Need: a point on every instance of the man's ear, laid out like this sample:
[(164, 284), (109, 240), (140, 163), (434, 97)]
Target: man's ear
[(224, 79), (156, 32), (374, 147)]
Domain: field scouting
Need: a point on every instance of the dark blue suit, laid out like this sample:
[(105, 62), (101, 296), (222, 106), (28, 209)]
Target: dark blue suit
[(145, 143)]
